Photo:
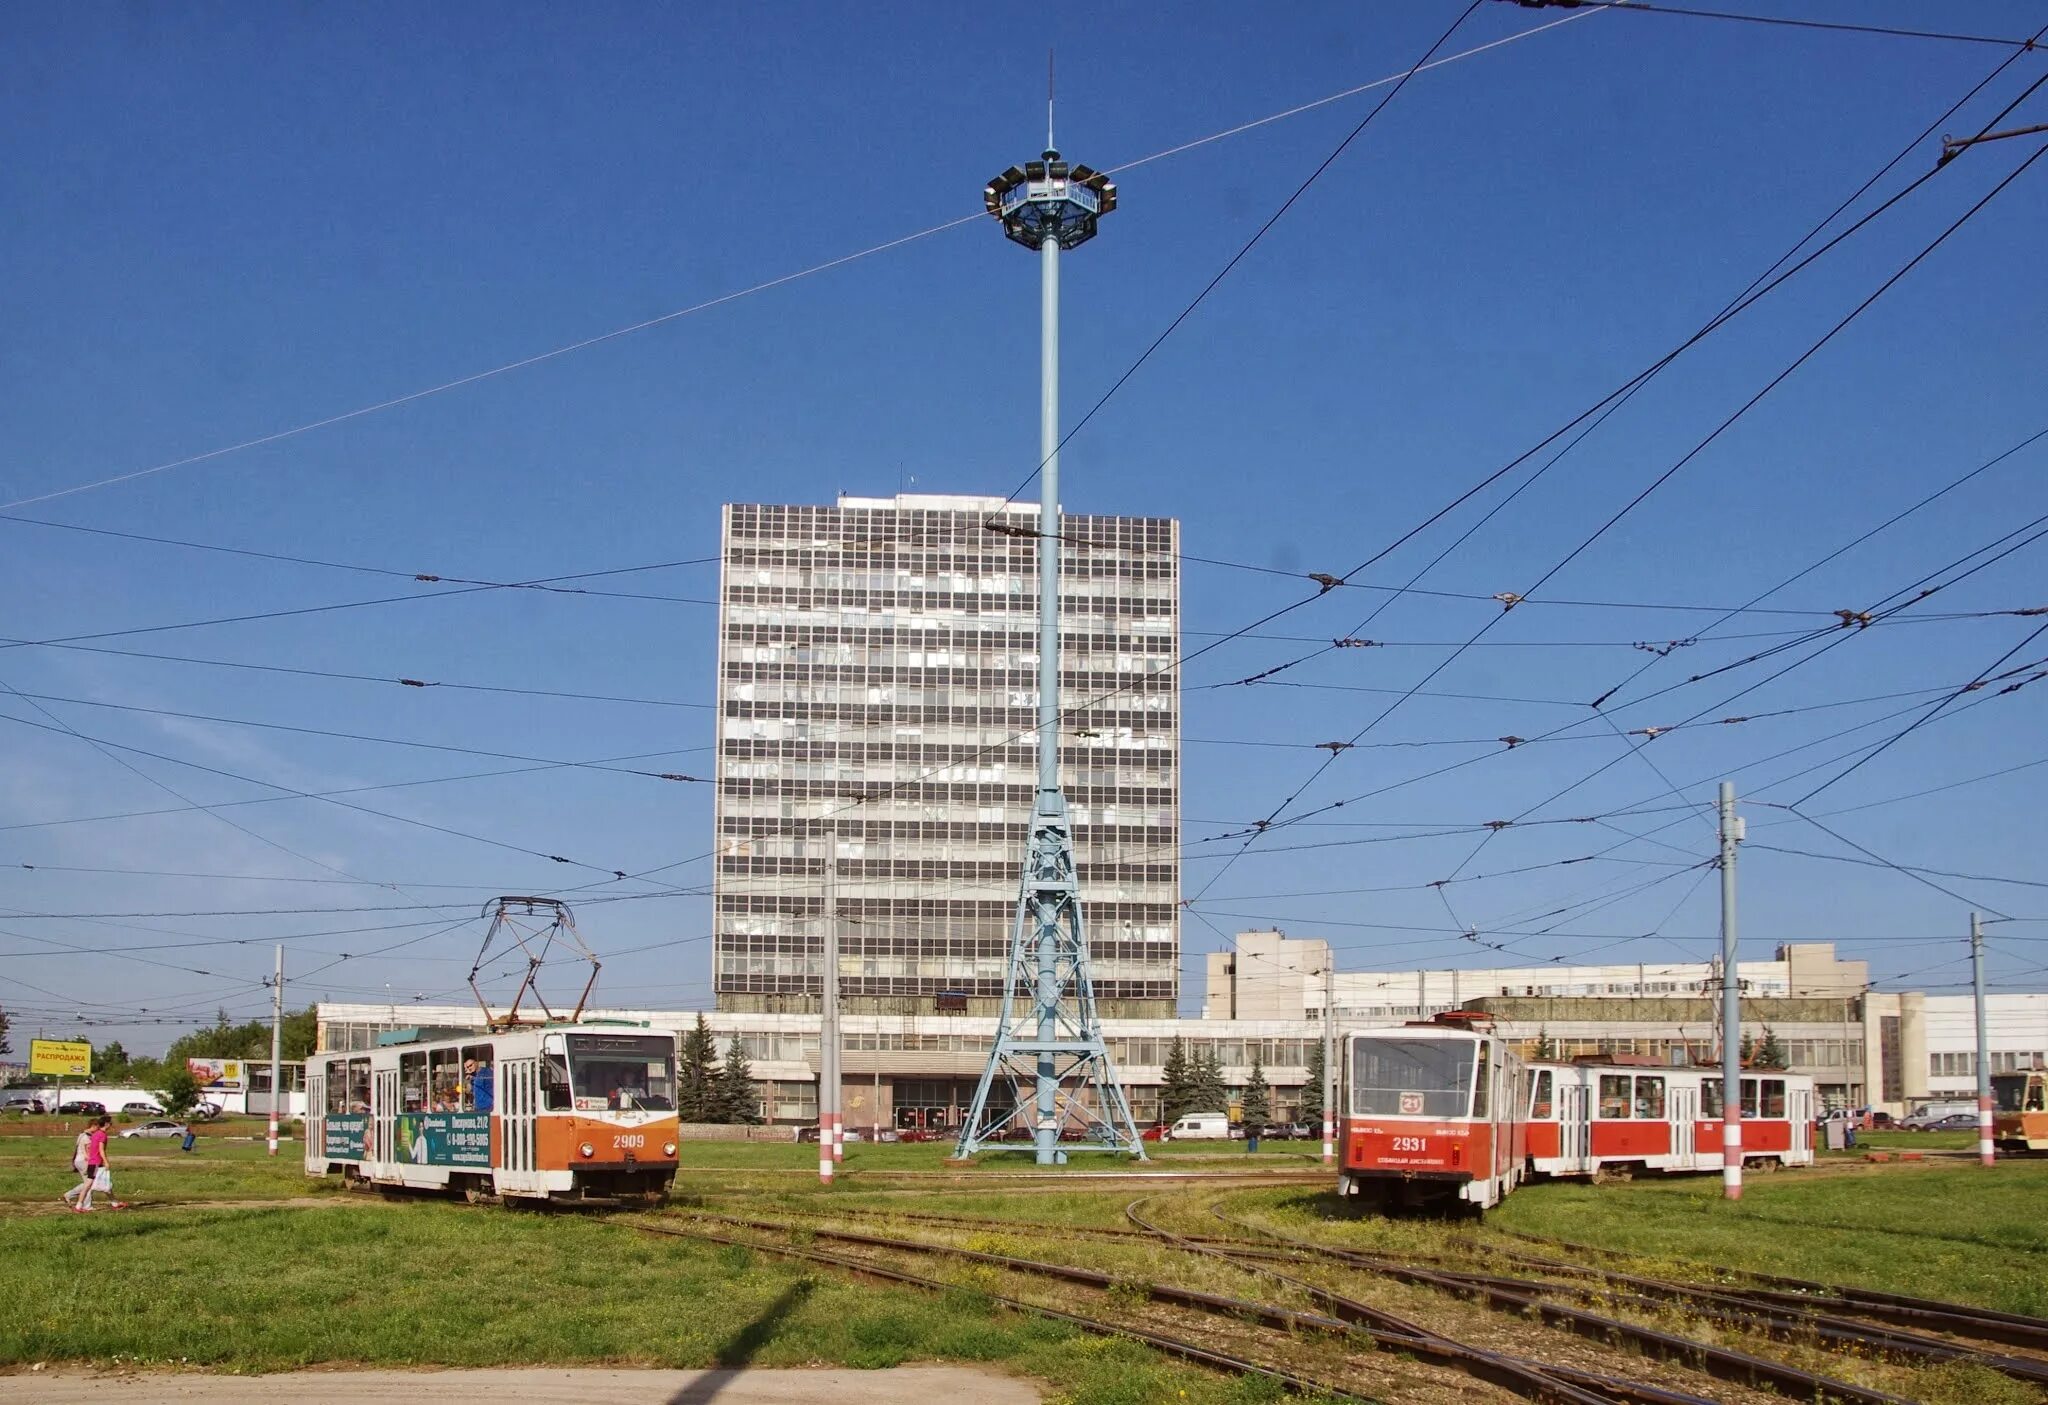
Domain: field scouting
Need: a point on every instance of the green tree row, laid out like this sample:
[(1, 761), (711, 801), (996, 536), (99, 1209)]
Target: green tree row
[(711, 1090)]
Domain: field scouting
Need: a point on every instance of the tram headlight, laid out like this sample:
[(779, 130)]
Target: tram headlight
[(668, 1148), (587, 1149)]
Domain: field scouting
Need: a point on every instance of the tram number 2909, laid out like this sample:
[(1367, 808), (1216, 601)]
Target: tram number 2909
[(1411, 1144), (624, 1141)]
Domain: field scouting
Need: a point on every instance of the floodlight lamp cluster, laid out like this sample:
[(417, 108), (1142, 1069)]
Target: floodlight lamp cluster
[(1049, 200)]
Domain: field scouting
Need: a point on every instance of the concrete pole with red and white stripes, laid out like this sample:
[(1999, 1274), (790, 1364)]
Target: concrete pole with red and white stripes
[(830, 1151), (1731, 1005), (1329, 1057), (277, 1047), (1986, 1150)]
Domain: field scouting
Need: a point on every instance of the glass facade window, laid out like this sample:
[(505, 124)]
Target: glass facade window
[(877, 701)]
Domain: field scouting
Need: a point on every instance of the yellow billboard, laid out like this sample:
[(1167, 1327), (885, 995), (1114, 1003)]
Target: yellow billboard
[(61, 1057)]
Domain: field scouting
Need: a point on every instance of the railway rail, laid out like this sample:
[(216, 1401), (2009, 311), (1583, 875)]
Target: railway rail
[(1778, 1316)]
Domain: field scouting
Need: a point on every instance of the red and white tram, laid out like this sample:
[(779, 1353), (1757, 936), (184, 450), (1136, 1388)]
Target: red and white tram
[(575, 1112), (1587, 1117), (1432, 1114)]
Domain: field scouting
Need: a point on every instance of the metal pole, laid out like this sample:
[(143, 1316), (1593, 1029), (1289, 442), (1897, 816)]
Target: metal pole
[(1986, 1152), (1329, 1061), (828, 1024), (1731, 1006), (1046, 1137), (276, 1047)]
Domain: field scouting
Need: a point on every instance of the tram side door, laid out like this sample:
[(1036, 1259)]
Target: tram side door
[(316, 1111), (518, 1099), (1575, 1132), (1684, 1131), (384, 1115)]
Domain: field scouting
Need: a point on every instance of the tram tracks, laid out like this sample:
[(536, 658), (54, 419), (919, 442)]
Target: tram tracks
[(1370, 1333), (1780, 1317), (1818, 1316)]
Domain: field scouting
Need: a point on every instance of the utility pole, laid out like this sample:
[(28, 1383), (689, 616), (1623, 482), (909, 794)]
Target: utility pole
[(276, 1046), (1986, 1152), (830, 1150), (1731, 1005), (1329, 1059)]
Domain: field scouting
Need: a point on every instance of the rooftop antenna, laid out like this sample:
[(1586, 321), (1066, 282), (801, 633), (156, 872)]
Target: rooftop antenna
[(1048, 99)]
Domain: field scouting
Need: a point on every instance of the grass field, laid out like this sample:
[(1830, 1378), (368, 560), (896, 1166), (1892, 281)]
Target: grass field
[(286, 1272)]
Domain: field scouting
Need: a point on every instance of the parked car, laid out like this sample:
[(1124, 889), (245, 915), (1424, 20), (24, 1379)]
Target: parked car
[(1928, 1115), (82, 1108), (1157, 1132), (1290, 1132), (915, 1134), (142, 1109), (23, 1104), (161, 1127), (206, 1111), (1953, 1122)]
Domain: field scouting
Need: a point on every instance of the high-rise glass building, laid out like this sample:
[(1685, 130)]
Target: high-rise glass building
[(877, 688)]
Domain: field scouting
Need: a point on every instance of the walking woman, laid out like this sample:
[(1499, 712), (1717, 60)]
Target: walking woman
[(96, 1165), (78, 1164)]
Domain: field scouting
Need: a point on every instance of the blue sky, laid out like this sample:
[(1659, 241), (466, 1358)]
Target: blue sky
[(227, 223)]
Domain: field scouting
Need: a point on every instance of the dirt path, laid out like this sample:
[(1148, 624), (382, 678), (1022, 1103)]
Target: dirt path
[(905, 1385)]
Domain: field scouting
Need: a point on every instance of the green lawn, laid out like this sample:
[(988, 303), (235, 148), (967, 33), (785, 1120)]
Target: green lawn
[(439, 1284), (1942, 1230)]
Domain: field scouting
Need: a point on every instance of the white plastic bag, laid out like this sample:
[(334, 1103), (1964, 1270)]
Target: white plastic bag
[(103, 1181)]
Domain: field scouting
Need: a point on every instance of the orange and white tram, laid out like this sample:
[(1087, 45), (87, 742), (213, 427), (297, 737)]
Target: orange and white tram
[(2020, 1110), (562, 1112), (1591, 1116), (1432, 1114)]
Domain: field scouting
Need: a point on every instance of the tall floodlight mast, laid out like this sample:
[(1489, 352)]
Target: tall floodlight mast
[(1050, 1040)]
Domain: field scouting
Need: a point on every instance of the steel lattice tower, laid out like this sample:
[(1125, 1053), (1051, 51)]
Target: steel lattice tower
[(1050, 1038)]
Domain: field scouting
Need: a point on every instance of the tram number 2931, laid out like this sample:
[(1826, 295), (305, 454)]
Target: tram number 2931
[(1411, 1144), (623, 1141)]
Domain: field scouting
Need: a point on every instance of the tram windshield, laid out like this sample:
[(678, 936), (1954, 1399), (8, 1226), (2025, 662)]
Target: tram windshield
[(1412, 1077), (622, 1072), (2008, 1091)]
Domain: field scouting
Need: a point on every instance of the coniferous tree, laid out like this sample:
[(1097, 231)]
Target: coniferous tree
[(1312, 1091), (694, 1078), (737, 1101), (1546, 1047), (1771, 1053), (1258, 1098), (1210, 1092), (1747, 1050), (1174, 1090)]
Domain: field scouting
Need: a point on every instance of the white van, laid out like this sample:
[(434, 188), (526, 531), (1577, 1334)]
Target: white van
[(1202, 1126)]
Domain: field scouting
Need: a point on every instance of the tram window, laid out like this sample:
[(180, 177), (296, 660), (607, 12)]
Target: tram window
[(1749, 1097), (1710, 1098), (358, 1085), (554, 1082), (1774, 1097), (2008, 1088), (1650, 1097), (623, 1072), (1613, 1096), (479, 1078), (337, 1086), (2034, 1095), (1411, 1077), (1539, 1102), (412, 1082), (1482, 1089), (444, 1078)]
